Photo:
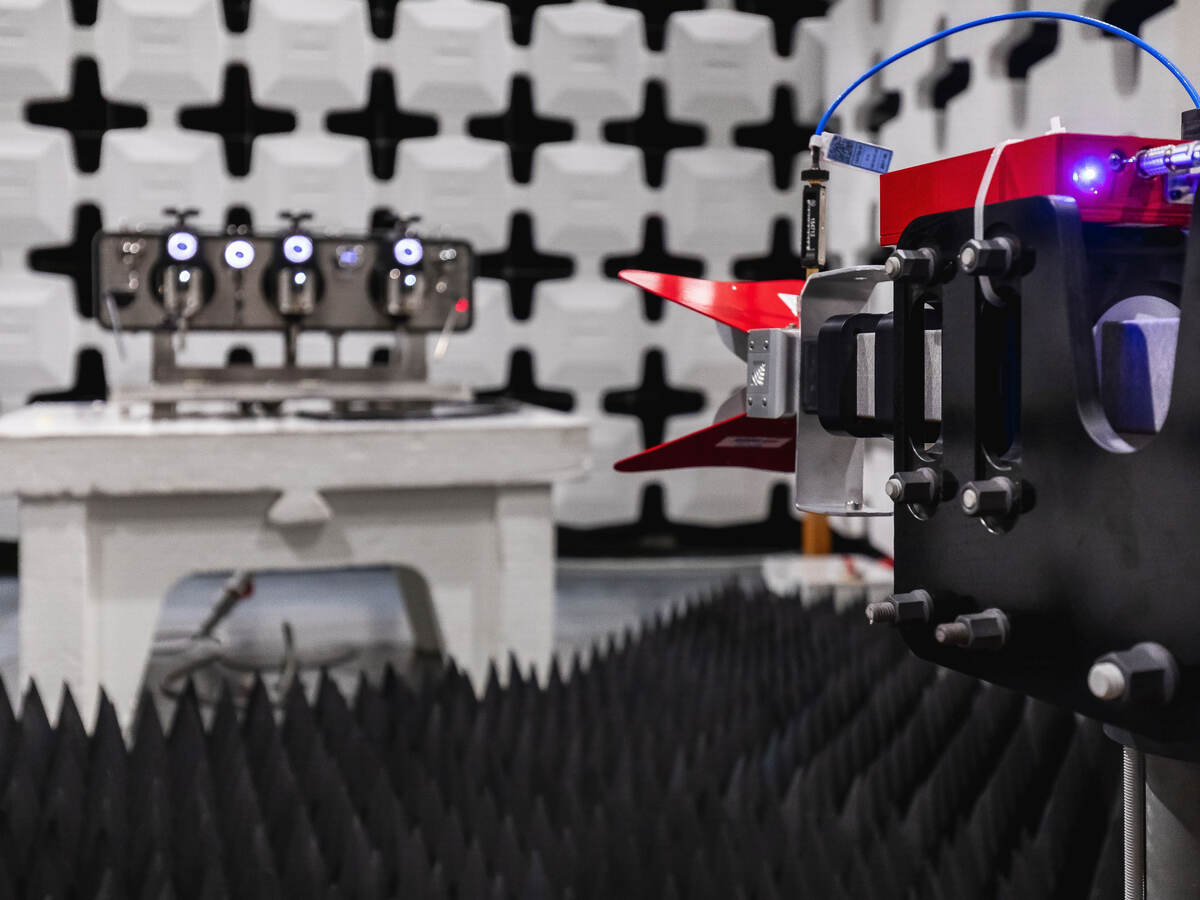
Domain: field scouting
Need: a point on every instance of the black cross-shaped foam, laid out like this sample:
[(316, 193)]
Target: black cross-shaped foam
[(382, 124), (237, 119), (654, 400), (86, 113), (522, 266), (653, 133), (522, 385), (521, 128), (654, 257), (780, 262), (781, 135)]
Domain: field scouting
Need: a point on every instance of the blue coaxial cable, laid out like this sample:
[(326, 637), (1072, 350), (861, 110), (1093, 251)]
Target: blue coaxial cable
[(1002, 17)]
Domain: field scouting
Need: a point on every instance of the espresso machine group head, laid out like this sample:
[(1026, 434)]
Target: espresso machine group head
[(177, 280), (182, 278), (293, 280)]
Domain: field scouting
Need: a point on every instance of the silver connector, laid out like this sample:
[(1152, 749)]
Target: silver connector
[(1161, 160), (772, 372)]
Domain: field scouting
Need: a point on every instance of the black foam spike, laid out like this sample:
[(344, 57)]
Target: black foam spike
[(744, 746)]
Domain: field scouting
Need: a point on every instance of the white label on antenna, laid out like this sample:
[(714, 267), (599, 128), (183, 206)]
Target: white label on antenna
[(792, 301), (858, 154), (750, 442)]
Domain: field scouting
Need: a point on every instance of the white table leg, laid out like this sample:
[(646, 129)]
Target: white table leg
[(524, 620), (131, 587), (58, 637), (486, 588), (422, 614)]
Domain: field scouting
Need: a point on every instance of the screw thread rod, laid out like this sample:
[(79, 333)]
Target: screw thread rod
[(1134, 799), (955, 633), (882, 612)]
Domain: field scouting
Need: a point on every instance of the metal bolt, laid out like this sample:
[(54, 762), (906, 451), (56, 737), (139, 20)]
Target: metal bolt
[(990, 497), (912, 606), (994, 256), (987, 630), (956, 634), (882, 612), (920, 486), (894, 488), (1146, 674), (1106, 681), (920, 265)]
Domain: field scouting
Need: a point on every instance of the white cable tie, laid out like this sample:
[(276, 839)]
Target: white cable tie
[(985, 283)]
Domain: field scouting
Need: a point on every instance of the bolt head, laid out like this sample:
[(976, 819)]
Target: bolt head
[(989, 629), (919, 486), (894, 488), (1106, 681), (1150, 672), (990, 497), (913, 606), (967, 257), (892, 267)]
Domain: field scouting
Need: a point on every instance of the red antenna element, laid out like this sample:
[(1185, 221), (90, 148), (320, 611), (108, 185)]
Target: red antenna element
[(739, 304)]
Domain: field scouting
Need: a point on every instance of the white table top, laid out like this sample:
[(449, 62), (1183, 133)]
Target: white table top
[(79, 449)]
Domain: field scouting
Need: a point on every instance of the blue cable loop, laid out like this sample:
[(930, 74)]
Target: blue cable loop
[(1022, 14)]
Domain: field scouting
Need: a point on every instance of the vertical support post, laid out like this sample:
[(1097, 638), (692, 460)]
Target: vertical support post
[(162, 358), (411, 366)]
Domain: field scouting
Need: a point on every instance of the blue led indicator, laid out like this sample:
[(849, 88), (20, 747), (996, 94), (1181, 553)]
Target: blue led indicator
[(182, 246), (1089, 175), (297, 248), (408, 251)]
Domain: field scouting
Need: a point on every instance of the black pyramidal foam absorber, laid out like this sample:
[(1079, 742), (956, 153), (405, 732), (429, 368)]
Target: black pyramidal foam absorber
[(742, 747)]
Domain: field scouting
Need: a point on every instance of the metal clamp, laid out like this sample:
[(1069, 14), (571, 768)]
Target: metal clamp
[(829, 467)]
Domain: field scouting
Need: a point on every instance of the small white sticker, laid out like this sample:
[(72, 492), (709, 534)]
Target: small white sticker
[(792, 301), (858, 154), (749, 442)]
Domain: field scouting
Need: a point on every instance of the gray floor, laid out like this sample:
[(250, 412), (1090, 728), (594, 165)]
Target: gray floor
[(359, 614)]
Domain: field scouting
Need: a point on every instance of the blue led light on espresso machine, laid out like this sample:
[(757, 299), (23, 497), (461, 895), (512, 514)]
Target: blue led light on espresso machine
[(1089, 174), (408, 251)]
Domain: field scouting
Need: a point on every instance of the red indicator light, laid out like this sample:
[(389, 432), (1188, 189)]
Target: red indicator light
[(462, 305)]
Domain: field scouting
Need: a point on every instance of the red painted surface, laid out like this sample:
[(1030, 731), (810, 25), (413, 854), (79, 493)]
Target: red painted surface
[(741, 441), (741, 304), (1036, 167)]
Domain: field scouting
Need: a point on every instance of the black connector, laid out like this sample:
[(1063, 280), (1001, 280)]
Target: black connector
[(1189, 125)]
